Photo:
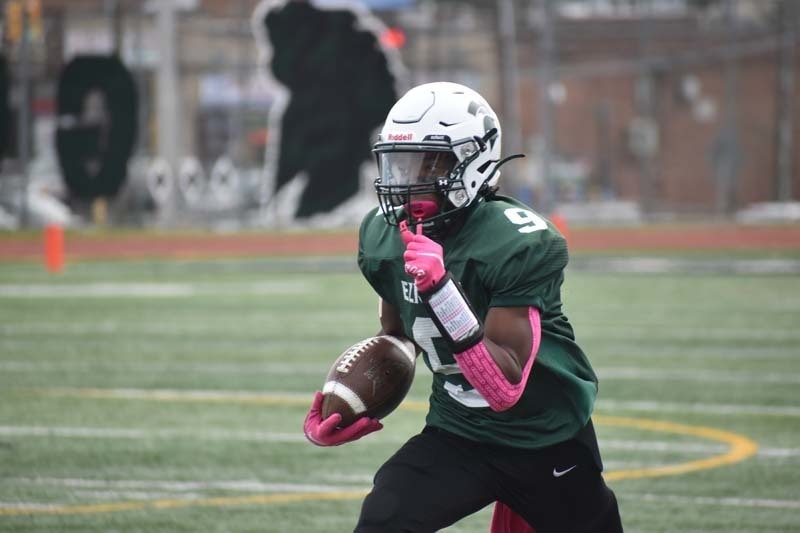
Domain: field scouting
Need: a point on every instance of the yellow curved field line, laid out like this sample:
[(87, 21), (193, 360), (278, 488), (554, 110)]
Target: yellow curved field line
[(740, 448)]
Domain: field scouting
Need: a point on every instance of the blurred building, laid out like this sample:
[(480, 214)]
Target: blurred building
[(678, 108), (682, 111), (670, 106)]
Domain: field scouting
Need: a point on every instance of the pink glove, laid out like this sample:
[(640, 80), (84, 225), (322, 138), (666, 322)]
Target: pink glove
[(424, 258), (324, 432)]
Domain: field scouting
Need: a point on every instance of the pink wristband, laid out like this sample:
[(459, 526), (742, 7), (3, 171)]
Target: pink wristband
[(482, 372)]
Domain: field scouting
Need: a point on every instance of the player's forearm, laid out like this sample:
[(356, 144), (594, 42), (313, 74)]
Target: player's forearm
[(496, 365), (507, 363), (499, 374), (391, 323), (483, 371)]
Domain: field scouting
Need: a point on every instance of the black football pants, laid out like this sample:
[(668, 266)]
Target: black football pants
[(437, 478)]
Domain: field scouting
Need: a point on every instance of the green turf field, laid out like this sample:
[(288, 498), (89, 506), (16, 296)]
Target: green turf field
[(169, 396)]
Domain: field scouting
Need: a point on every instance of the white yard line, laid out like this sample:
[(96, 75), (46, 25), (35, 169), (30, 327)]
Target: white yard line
[(662, 446), (650, 351), (225, 326), (665, 265), (239, 485), (125, 433), (165, 368), (689, 374), (163, 489), (658, 333), (233, 396), (709, 500), (605, 373), (150, 289), (188, 490), (640, 337), (97, 290), (133, 495), (650, 406), (678, 307), (689, 448), (286, 437), (302, 399), (30, 506)]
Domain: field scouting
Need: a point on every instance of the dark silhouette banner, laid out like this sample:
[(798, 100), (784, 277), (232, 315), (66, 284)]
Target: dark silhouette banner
[(340, 87), (97, 125)]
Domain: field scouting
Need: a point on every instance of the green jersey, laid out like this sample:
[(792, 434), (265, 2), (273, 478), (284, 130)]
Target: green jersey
[(504, 255)]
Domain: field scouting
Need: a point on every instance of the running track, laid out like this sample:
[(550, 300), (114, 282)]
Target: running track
[(98, 245)]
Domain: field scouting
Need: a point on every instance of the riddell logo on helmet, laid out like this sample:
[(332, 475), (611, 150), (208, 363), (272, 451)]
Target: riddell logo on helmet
[(401, 137)]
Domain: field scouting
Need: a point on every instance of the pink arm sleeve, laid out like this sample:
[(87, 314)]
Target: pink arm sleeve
[(483, 373)]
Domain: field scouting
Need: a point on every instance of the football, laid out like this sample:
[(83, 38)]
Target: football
[(370, 379)]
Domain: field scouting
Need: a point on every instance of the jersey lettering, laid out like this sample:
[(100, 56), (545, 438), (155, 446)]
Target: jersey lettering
[(410, 293), (529, 220), (424, 331), (470, 398)]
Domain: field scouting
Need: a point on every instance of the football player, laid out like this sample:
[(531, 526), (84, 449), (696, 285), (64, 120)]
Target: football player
[(474, 279)]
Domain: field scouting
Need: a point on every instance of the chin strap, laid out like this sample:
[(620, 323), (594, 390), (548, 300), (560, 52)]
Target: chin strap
[(496, 170), (507, 159), (503, 162)]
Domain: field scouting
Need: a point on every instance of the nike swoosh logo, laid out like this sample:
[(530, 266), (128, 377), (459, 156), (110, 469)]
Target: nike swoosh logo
[(556, 473)]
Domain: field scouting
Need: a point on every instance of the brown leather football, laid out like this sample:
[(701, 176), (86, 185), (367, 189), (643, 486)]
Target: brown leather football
[(370, 379)]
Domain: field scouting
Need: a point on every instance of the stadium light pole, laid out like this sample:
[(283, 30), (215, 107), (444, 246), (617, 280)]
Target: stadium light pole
[(727, 148), (141, 82), (509, 81), (167, 93), (115, 16), (24, 116), (545, 103), (647, 142), (788, 25)]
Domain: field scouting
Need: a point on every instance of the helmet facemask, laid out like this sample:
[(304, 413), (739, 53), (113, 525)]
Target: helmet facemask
[(421, 172)]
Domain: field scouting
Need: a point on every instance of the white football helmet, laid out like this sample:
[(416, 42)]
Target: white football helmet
[(440, 138)]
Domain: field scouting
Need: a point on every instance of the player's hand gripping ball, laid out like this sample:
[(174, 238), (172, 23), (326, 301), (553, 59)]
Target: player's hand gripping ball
[(328, 433), (365, 383)]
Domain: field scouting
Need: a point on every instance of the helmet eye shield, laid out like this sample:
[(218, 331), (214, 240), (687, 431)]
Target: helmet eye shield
[(410, 168)]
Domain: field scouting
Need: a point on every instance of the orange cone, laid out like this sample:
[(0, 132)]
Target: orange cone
[(54, 248)]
